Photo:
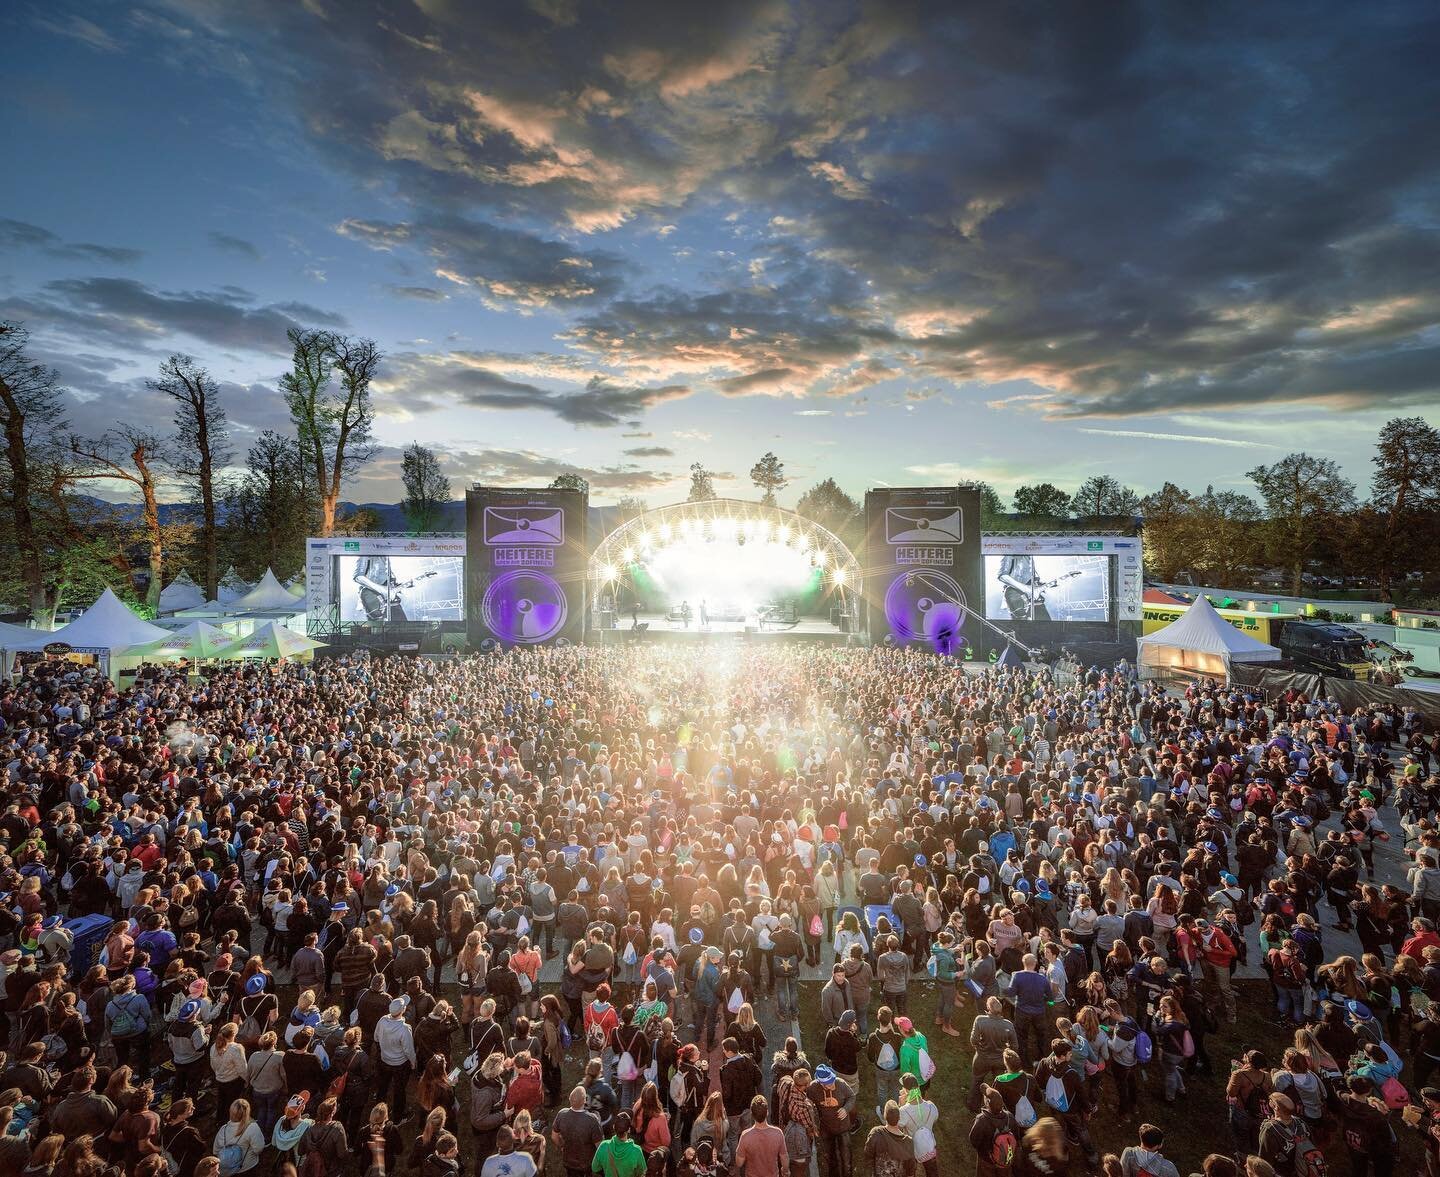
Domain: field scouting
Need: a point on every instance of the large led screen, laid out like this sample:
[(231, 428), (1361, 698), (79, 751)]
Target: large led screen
[(379, 587), (1026, 587)]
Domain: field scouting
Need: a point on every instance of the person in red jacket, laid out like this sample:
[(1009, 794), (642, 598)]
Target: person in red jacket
[(1216, 953)]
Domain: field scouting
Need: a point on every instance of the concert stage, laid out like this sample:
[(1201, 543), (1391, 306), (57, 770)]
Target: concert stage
[(657, 627)]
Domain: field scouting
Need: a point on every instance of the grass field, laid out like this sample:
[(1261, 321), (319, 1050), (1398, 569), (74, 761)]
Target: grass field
[(1195, 1125)]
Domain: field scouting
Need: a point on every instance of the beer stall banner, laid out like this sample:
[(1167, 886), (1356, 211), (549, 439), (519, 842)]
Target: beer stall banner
[(527, 559), (923, 567)]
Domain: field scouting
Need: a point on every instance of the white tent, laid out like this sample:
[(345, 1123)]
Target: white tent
[(108, 629), (232, 587), (181, 593), (271, 640), (268, 596), (1202, 641), (197, 640), (12, 635)]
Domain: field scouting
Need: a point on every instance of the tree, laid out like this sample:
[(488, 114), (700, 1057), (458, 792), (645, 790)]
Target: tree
[(570, 481), (1044, 500), (768, 474), (1406, 485), (202, 446), (269, 511), (1227, 536), (1169, 531), (427, 490), (1100, 497), (834, 510), (30, 411), (334, 426), (1301, 493), (990, 504), (702, 484), (628, 507), (129, 454)]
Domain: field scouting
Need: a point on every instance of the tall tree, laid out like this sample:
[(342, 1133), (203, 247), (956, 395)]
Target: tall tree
[(628, 507), (202, 447), (1044, 500), (30, 413), (1100, 497), (834, 510), (1405, 484), (427, 490), (1227, 536), (1301, 493), (334, 426), (990, 504), (571, 481), (1169, 531), (768, 474), (269, 510), (129, 454), (702, 484)]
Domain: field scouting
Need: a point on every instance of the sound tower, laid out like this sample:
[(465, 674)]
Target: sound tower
[(527, 562), (922, 563)]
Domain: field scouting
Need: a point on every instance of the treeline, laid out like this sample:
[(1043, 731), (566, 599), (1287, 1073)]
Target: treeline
[(1300, 519)]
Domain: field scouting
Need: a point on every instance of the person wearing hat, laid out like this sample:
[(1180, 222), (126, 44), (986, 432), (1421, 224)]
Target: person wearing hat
[(843, 1046), (395, 1050), (834, 1101), (1284, 1136), (189, 1042), (291, 1128)]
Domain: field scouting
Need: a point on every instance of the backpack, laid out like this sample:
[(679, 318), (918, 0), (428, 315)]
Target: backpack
[(1309, 1160), (1144, 1048), (626, 1068), (127, 1023), (1056, 1095), (1004, 1146), (886, 1060), (595, 1038), (926, 1065), (1393, 1092), (566, 1038), (678, 1089), (314, 1164), (1187, 1045), (629, 956), (1025, 1114)]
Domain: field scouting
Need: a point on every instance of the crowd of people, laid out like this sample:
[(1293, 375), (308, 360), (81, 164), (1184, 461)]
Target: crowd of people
[(560, 909)]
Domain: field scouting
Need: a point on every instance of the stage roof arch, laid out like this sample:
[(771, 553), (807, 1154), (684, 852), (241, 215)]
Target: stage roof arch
[(722, 521)]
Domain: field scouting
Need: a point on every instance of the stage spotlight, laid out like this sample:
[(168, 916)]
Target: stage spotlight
[(627, 556), (840, 576), (666, 533), (607, 571), (820, 558), (783, 535)]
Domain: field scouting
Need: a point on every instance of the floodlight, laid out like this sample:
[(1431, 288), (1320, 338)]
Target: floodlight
[(840, 576), (607, 571)]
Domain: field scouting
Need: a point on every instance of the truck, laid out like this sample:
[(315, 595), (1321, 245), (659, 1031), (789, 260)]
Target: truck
[(1323, 647)]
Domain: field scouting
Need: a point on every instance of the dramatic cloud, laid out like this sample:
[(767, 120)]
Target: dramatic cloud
[(416, 383), (508, 266), (22, 235), (650, 451), (120, 312), (235, 245), (1115, 210)]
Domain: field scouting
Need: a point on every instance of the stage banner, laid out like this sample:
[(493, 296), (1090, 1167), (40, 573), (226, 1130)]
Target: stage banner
[(527, 557), (922, 564)]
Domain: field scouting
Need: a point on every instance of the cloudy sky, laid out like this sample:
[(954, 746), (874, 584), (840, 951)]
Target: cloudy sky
[(893, 242)]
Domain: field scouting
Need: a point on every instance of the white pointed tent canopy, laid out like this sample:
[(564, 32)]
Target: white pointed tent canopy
[(232, 586), (198, 640), (181, 593), (271, 641), (1200, 641), (268, 596)]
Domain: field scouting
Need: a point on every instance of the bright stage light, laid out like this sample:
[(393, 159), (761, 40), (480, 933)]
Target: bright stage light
[(840, 576), (666, 532), (607, 571), (820, 558), (783, 535), (627, 556)]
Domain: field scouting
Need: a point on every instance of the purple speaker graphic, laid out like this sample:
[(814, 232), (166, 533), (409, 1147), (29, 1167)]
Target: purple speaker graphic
[(524, 606), (913, 596)]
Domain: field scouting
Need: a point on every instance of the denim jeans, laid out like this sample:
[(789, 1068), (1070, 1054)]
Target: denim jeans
[(785, 1002), (267, 1110), (887, 1086), (1174, 1084), (707, 1018), (1290, 1003)]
